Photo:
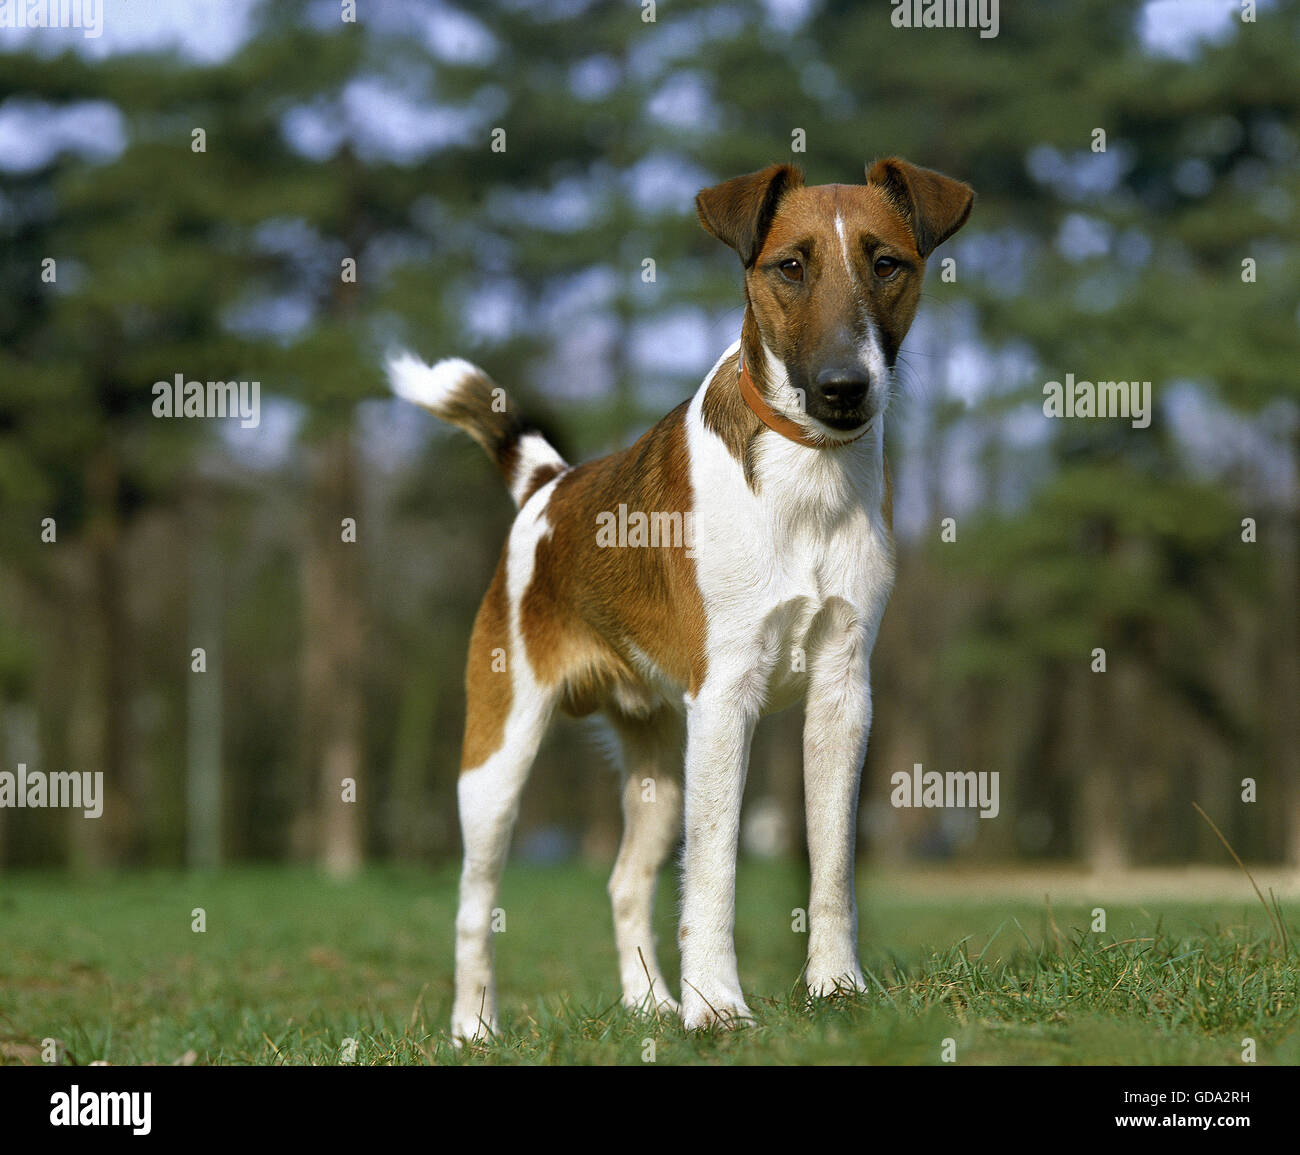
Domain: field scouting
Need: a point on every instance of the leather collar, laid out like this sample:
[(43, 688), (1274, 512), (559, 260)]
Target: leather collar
[(779, 423)]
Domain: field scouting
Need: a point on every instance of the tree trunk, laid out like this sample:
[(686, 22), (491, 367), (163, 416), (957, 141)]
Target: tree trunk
[(203, 793), (331, 654), (102, 703), (1100, 748)]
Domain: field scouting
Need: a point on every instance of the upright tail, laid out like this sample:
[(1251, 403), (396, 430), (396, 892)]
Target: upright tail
[(463, 395)]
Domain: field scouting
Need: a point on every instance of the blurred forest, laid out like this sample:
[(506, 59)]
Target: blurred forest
[(327, 141)]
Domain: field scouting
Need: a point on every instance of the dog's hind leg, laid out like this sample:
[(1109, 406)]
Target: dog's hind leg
[(489, 804), (653, 751), (506, 717)]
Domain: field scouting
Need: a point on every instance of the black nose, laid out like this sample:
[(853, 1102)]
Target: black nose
[(844, 388)]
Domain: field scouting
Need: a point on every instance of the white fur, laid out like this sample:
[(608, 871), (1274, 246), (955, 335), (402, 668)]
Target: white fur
[(844, 245), (871, 354), (534, 451), (878, 371), (427, 385)]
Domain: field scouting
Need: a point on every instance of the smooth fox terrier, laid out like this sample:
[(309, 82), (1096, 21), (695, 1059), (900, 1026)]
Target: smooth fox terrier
[(777, 464)]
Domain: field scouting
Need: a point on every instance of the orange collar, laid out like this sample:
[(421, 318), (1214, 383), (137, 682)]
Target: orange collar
[(779, 423)]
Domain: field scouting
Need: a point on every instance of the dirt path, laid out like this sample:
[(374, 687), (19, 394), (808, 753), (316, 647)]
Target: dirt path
[(1186, 884)]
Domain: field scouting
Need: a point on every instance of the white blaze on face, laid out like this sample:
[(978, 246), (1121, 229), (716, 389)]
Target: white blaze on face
[(844, 245)]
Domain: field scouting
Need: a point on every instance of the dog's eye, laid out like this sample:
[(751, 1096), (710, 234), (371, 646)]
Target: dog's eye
[(791, 270), (885, 267)]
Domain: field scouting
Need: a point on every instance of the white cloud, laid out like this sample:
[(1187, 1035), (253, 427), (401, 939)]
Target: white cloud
[(1177, 28), (33, 133)]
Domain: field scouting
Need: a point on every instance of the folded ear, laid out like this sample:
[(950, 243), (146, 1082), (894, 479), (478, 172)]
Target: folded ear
[(739, 211), (936, 206)]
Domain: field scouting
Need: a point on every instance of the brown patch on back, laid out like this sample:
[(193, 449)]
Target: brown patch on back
[(586, 607), (488, 692)]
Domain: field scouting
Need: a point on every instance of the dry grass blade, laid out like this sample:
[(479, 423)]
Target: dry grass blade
[(1051, 918), (1274, 919), (716, 1017), (1123, 942), (1277, 910), (654, 1001), (415, 1010)]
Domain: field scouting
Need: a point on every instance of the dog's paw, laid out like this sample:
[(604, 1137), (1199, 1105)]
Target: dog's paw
[(828, 982), (702, 1009), (471, 1028)]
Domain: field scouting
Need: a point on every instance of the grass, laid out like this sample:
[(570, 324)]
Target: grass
[(291, 965)]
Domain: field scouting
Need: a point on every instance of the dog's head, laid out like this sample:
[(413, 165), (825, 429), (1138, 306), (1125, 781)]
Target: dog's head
[(832, 276)]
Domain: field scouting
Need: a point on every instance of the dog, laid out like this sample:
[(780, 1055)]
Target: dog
[(770, 592)]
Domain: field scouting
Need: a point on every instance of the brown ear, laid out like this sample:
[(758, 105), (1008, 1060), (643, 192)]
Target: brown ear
[(936, 206), (739, 211)]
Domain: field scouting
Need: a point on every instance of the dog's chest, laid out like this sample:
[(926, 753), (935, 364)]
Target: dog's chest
[(773, 559)]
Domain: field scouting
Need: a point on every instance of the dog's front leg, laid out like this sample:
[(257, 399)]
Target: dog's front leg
[(718, 733), (837, 720)]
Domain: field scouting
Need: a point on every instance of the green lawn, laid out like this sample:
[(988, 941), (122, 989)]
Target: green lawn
[(291, 965)]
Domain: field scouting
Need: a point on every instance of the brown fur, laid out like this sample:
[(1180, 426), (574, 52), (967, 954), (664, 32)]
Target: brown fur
[(585, 603), (740, 211), (487, 690), (725, 414), (935, 206), (498, 431)]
